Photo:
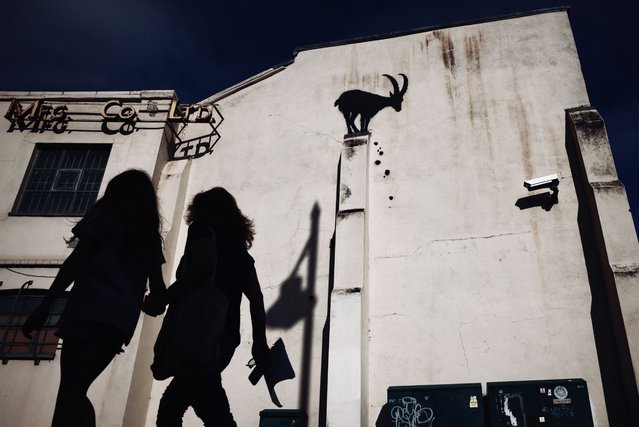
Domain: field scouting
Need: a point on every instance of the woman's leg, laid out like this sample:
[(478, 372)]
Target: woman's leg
[(80, 364), (174, 403), (210, 402), (203, 391)]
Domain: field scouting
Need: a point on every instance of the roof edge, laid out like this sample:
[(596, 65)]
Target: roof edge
[(430, 28), (97, 95), (246, 83)]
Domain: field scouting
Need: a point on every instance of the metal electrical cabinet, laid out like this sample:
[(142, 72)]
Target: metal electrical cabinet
[(449, 405), (283, 418), (545, 403)]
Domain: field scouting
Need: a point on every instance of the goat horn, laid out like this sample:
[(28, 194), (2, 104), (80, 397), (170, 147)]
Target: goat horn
[(394, 82), (405, 86)]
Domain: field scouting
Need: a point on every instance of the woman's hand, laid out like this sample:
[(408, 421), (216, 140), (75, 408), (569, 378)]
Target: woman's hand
[(36, 320), (260, 352), (154, 304)]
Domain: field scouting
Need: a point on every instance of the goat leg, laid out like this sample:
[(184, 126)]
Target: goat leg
[(350, 122), (364, 121)]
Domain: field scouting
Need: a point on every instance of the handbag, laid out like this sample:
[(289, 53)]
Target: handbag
[(276, 368), (189, 338)]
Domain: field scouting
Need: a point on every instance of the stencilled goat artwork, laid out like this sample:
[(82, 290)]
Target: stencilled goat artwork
[(365, 104)]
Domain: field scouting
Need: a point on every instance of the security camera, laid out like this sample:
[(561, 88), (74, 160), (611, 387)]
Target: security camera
[(548, 181)]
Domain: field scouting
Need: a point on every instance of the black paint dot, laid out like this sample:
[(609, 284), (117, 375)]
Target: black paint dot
[(390, 197), (375, 142), (386, 172), (377, 162), (381, 153)]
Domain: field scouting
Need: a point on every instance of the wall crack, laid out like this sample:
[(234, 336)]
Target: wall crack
[(382, 316), (490, 236), (461, 340)]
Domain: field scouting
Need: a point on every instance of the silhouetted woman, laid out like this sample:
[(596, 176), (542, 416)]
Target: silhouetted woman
[(119, 248), (218, 238)]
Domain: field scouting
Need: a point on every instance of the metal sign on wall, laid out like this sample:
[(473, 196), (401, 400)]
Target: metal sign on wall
[(38, 116), (181, 115), (115, 116)]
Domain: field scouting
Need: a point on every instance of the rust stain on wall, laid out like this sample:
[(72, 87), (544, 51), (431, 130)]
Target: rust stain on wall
[(518, 116), (354, 76), (448, 58), (448, 49), (369, 81), (426, 43), (472, 48), (477, 96)]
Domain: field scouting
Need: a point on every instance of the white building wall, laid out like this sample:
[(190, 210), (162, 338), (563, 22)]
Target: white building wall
[(464, 286)]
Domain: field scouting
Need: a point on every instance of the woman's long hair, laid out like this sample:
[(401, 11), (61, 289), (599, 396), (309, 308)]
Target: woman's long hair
[(218, 208), (131, 200)]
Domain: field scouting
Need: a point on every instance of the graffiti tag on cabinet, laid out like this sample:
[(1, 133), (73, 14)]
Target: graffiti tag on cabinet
[(409, 413)]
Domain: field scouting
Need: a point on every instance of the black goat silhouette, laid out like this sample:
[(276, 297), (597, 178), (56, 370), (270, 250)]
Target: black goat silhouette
[(365, 104)]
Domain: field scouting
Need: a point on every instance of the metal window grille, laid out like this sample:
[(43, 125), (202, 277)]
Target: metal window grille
[(62, 180), (15, 306)]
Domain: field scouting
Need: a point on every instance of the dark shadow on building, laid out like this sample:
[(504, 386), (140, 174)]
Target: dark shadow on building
[(545, 201), (383, 419), (325, 340), (615, 364), (296, 303), (327, 323)]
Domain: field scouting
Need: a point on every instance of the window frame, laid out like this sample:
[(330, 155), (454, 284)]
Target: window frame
[(22, 301), (26, 180)]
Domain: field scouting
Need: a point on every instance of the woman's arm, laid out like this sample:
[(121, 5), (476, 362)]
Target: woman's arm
[(258, 318), (156, 281), (73, 266), (155, 303)]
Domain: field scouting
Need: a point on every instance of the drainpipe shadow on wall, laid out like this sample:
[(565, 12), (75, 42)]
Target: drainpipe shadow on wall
[(296, 303)]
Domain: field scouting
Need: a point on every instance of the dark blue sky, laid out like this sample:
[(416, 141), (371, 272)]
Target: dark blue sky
[(200, 47)]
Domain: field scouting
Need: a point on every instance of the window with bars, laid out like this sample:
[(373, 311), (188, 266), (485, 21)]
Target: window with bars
[(15, 306), (62, 179)]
